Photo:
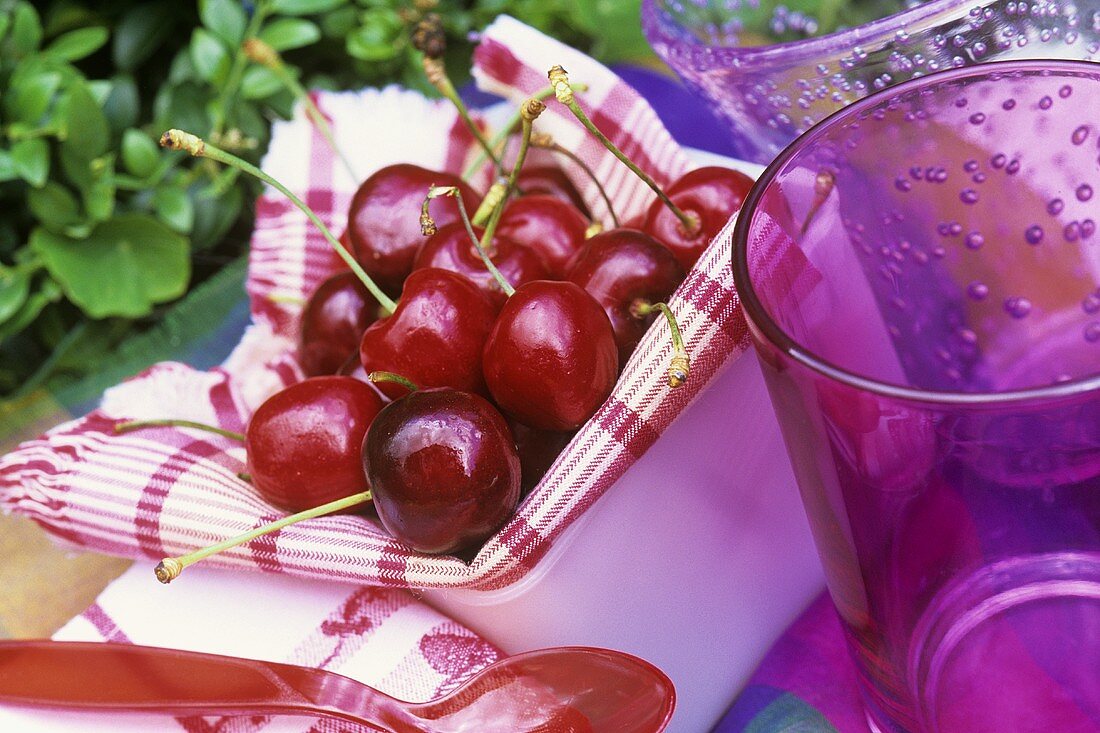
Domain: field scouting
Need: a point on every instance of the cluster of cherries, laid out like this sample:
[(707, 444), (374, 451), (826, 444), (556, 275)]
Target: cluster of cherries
[(512, 319)]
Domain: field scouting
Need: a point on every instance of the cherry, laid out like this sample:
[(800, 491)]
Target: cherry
[(303, 443), (333, 322), (550, 360), (382, 221), (710, 195), (537, 449), (435, 335), (622, 269), (443, 471), (547, 225), (450, 248), (550, 180)]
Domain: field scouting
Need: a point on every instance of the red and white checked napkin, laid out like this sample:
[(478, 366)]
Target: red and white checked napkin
[(158, 493), (380, 636)]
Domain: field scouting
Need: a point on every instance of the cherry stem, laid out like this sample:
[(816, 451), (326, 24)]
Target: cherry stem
[(180, 140), (546, 143), (428, 227), (510, 125), (823, 186), (263, 54), (437, 75), (169, 568), (680, 365), (381, 376), (132, 425), (564, 94)]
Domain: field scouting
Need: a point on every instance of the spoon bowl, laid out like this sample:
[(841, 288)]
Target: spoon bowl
[(562, 689)]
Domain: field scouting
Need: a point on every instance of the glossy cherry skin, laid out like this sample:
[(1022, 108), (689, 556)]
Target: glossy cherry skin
[(621, 267), (537, 449), (435, 336), (303, 443), (333, 322), (551, 360), (547, 225), (712, 193), (443, 470), (549, 180), (384, 219), (451, 249)]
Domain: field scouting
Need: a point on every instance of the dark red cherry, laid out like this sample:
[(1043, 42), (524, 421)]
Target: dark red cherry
[(537, 449), (442, 469), (384, 219), (621, 267), (712, 194), (451, 249), (435, 336), (303, 443), (551, 360), (549, 180), (333, 322), (547, 225)]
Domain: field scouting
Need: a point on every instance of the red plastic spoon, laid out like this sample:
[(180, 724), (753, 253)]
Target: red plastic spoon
[(566, 689)]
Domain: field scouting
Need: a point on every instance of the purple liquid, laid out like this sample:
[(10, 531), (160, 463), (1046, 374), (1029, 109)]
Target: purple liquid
[(942, 413)]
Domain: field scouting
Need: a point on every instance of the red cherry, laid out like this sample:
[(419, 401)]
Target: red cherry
[(451, 249), (551, 227), (537, 449), (443, 471), (333, 322), (619, 268), (435, 336), (712, 194), (549, 180), (303, 443), (551, 360), (384, 219)]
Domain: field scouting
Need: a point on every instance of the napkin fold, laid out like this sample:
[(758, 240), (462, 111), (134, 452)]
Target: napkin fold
[(383, 637)]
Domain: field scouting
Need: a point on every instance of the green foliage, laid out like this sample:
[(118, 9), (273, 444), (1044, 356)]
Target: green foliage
[(106, 228)]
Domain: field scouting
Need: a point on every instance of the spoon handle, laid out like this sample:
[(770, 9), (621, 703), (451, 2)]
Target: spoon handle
[(130, 678)]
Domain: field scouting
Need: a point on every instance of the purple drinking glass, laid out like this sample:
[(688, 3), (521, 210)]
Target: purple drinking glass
[(920, 273), (771, 70)]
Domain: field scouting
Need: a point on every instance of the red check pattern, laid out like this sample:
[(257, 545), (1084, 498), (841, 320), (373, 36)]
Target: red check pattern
[(163, 492)]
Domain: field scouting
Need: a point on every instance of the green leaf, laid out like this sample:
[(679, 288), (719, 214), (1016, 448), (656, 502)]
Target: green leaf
[(284, 34), (31, 160), (259, 82), (214, 216), (209, 56), (304, 7), (86, 131), (123, 105), (78, 44), (174, 207), (5, 23), (8, 171), (99, 197), (29, 96), (140, 154), (125, 266), (26, 30), (48, 292), (54, 206), (139, 33), (226, 18), (377, 39), (15, 286)]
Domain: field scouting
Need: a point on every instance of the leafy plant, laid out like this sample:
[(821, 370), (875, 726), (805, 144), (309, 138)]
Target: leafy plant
[(101, 228)]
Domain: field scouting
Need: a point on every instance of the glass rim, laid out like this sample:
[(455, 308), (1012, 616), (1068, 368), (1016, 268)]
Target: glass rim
[(807, 47), (760, 319)]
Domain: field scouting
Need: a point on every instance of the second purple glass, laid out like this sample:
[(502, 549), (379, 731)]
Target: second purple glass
[(920, 273)]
